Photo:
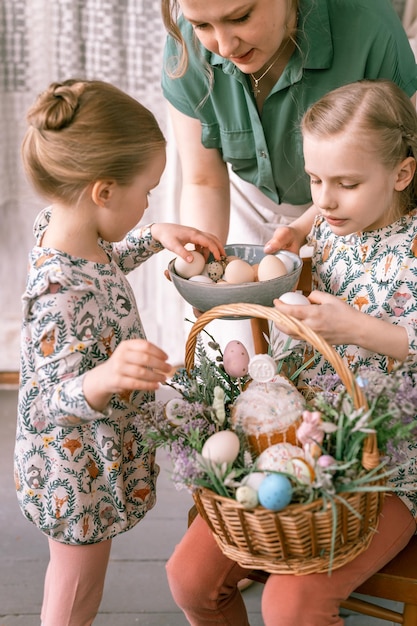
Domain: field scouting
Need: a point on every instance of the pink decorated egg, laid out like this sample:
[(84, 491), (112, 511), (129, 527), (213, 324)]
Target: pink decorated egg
[(236, 359)]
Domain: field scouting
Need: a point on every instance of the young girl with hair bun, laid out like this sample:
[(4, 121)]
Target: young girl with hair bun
[(82, 475)]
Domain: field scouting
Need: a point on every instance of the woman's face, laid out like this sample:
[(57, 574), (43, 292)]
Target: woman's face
[(248, 32)]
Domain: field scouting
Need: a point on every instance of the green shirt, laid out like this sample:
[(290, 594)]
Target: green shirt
[(339, 41)]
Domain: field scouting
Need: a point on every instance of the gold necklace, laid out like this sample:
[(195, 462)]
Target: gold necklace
[(256, 81)]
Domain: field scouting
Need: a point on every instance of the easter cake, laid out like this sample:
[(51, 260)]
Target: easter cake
[(268, 413)]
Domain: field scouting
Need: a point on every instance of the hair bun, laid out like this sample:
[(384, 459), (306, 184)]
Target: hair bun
[(55, 108)]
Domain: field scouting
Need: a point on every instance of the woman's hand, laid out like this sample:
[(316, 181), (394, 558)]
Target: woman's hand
[(339, 323), (136, 364), (174, 237)]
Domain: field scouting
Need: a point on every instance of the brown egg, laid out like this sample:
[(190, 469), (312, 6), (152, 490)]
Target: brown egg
[(238, 272), (271, 267)]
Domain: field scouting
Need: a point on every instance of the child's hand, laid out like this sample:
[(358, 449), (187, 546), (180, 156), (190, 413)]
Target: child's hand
[(285, 238), (135, 364), (292, 237), (174, 237), (330, 317), (339, 323)]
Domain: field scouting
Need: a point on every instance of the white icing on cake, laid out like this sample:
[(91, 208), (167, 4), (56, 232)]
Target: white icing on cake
[(268, 412)]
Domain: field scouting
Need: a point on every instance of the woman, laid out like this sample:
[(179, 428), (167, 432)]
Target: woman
[(239, 76)]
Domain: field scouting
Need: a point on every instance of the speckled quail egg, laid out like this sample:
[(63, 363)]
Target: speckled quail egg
[(214, 270)]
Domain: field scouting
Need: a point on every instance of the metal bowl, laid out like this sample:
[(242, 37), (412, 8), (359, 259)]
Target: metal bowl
[(204, 296)]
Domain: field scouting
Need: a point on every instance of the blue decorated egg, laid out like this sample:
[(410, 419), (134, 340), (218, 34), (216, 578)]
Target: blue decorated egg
[(275, 492)]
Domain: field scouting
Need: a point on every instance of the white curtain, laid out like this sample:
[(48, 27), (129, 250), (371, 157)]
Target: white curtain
[(409, 17), (119, 41)]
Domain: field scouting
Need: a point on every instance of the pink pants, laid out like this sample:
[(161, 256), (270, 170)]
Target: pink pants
[(203, 581), (74, 583)]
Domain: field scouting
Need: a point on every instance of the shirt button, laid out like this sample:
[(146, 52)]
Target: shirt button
[(263, 154)]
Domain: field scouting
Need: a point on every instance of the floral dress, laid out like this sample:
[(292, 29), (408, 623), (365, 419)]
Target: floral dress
[(376, 273), (81, 476)]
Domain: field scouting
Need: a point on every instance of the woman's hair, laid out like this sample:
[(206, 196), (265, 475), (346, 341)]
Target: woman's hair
[(82, 131), (170, 10), (381, 114)]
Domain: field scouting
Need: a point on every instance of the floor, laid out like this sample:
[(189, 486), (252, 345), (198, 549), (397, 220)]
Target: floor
[(136, 591)]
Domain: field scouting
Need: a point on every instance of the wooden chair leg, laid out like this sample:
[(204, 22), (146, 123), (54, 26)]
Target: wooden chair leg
[(410, 615), (260, 328), (304, 282), (373, 610)]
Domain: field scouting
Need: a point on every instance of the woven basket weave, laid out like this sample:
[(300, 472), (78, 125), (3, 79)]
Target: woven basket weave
[(301, 538)]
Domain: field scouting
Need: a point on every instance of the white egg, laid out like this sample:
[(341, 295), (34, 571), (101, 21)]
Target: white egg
[(222, 447), (201, 278), (271, 267), (253, 480), (187, 269), (238, 272), (293, 297), (247, 496), (287, 260)]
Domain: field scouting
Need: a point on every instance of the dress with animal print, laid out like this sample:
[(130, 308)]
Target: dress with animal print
[(82, 476), (376, 273)]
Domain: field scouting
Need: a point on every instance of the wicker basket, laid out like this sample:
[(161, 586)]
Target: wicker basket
[(301, 538)]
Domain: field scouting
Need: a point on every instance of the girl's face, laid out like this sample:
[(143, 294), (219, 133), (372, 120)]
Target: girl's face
[(128, 203), (352, 189), (248, 32)]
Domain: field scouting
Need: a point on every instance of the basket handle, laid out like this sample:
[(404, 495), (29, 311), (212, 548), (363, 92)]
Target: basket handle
[(370, 457)]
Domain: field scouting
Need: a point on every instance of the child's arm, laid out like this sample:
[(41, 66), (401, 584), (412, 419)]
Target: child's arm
[(339, 323), (143, 242), (292, 237), (175, 236), (76, 377)]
